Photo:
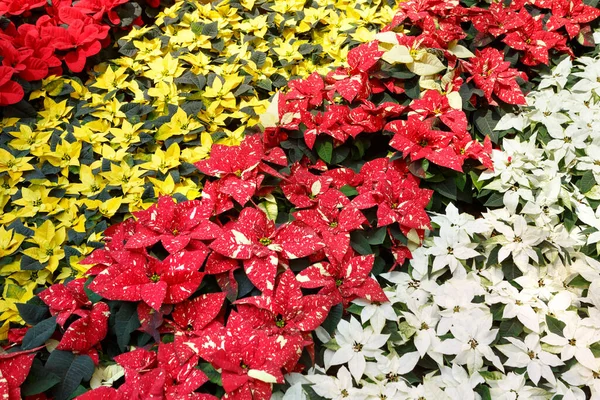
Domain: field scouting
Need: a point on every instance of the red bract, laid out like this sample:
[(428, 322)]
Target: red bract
[(303, 187), (237, 168), (174, 225), (287, 316), (152, 281), (65, 300), (246, 361), (496, 20), (416, 139), (308, 91), (10, 92), (22, 63), (571, 14), (13, 7), (493, 75), (254, 239), (333, 219), (435, 105), (396, 193), (533, 40), (14, 368), (344, 281), (87, 331)]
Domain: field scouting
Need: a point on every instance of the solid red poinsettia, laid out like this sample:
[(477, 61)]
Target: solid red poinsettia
[(87, 331), (247, 361), (14, 368), (288, 316), (12, 7), (254, 239), (66, 300), (10, 91), (493, 75), (344, 281), (155, 282), (174, 225)]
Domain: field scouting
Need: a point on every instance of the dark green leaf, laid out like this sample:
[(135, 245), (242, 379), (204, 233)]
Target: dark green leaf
[(38, 380), (30, 264), (211, 30), (333, 318), (38, 334), (510, 270), (126, 322), (510, 328), (34, 311), (213, 375), (447, 188), (555, 326), (324, 149), (376, 236), (71, 370), (587, 182), (360, 243), (348, 190)]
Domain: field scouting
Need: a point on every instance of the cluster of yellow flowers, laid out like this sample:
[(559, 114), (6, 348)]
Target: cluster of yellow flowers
[(99, 150)]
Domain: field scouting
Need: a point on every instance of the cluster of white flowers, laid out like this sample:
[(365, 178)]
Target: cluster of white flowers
[(504, 306)]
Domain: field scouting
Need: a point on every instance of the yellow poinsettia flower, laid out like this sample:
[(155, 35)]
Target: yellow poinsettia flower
[(165, 93), (49, 241), (93, 133), (233, 138), (28, 139), (13, 294), (54, 111), (163, 161), (15, 166), (128, 178), (165, 187), (35, 199), (200, 62), (70, 217), (197, 153), (180, 124), (148, 49), (40, 278), (109, 79), (127, 134), (220, 93), (164, 68), (289, 51), (9, 241), (113, 155), (106, 208), (8, 187), (110, 110), (65, 155)]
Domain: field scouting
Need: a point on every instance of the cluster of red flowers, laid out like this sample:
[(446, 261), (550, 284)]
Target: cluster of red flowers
[(64, 32), (227, 285)]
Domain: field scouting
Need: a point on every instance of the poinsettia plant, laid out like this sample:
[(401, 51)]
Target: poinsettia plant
[(224, 295)]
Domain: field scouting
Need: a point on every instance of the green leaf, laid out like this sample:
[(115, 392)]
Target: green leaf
[(71, 370), (483, 391), (38, 334), (510, 270), (30, 264), (259, 58), (333, 318), (311, 394), (595, 348), (213, 375), (324, 149), (126, 322), (411, 87), (128, 12), (485, 122), (587, 182), (447, 188), (38, 380), (348, 190), (555, 326), (278, 80), (211, 30), (510, 328), (496, 200), (376, 236), (92, 296), (34, 311), (360, 243)]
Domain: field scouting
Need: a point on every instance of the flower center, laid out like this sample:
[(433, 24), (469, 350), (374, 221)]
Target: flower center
[(531, 354), (424, 326), (572, 342), (265, 241), (155, 277), (338, 282), (357, 347), (280, 321), (473, 343)]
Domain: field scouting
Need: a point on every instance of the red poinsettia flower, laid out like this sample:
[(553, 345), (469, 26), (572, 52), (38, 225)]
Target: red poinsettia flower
[(333, 219), (496, 19), (236, 167), (287, 316), (344, 281), (395, 192), (435, 105), (571, 14), (22, 63), (254, 239), (303, 187), (87, 331), (12, 7), (195, 322), (493, 75), (10, 91), (223, 268), (155, 282), (368, 117), (416, 139), (66, 300), (247, 361), (532, 39), (14, 368), (469, 148), (174, 225), (308, 91)]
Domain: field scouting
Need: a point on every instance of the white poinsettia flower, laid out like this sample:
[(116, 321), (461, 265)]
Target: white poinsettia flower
[(519, 241), (458, 384), (574, 341), (513, 387), (377, 313), (379, 390), (567, 392), (591, 161), (590, 77), (336, 388), (539, 283), (462, 225), (471, 344), (455, 297), (391, 367), (424, 319), (529, 354), (559, 75), (447, 251), (355, 344), (429, 389), (580, 375)]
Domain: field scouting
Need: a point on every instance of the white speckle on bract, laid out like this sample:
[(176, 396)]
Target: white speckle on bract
[(240, 238), (192, 346), (261, 376), (193, 214), (281, 340), (302, 278)]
